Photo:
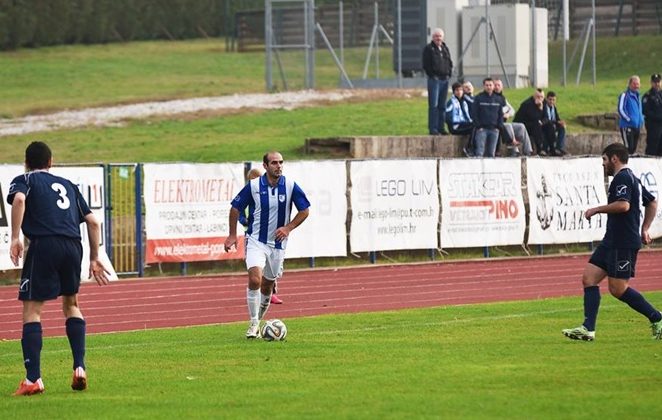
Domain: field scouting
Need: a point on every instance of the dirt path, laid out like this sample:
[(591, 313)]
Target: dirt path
[(200, 107)]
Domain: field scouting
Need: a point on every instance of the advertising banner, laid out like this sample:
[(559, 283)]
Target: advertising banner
[(649, 172), (90, 182), (559, 191), (7, 173), (481, 203), (187, 207), (395, 205), (323, 234)]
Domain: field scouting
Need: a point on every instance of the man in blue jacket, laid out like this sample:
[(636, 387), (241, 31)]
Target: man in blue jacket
[(630, 114)]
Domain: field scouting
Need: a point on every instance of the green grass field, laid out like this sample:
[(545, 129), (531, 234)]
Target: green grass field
[(504, 360)]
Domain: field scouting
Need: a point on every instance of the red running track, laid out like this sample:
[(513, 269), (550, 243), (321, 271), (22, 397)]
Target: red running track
[(136, 304)]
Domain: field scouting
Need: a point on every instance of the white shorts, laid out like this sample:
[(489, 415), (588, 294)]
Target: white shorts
[(263, 256)]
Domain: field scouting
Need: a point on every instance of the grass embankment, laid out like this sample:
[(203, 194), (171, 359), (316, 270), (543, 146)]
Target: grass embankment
[(55, 78)]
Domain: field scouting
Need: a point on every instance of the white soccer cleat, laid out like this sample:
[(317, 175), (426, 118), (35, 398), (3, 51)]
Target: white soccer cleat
[(253, 330)]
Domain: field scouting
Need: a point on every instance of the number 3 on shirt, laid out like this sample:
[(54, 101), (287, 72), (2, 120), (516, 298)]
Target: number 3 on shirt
[(63, 202)]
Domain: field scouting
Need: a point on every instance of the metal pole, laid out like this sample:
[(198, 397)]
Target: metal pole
[(566, 33), (341, 35), (534, 47), (399, 14), (139, 221), (593, 18), (268, 41), (377, 40), (487, 42), (369, 56), (306, 41), (343, 73), (581, 61)]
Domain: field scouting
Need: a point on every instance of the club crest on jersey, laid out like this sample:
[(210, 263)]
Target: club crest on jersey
[(281, 198), (621, 190)]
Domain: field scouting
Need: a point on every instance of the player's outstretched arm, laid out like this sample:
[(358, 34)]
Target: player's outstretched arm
[(97, 270)]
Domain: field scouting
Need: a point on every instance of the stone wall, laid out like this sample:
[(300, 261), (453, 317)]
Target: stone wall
[(370, 147)]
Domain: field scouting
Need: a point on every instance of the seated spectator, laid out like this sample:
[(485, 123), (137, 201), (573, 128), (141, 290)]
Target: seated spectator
[(530, 113), (553, 127), (458, 117), (487, 114), (468, 96), (515, 131), (468, 89)]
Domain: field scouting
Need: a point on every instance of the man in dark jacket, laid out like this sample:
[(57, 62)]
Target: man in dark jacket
[(651, 104), (553, 127), (438, 67), (530, 113), (487, 113)]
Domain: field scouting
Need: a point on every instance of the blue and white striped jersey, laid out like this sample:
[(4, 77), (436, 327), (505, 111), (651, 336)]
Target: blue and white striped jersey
[(269, 207)]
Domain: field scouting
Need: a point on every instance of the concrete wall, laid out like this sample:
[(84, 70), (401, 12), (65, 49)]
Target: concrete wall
[(441, 146)]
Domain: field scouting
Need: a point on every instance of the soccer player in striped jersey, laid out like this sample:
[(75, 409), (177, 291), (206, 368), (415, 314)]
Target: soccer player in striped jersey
[(269, 199), (49, 209), (616, 256)]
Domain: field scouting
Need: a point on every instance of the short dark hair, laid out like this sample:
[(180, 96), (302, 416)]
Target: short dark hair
[(551, 94), (618, 150), (456, 85), (37, 155), (487, 79), (265, 158)]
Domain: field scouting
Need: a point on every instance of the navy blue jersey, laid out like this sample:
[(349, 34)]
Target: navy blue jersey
[(624, 229), (53, 205)]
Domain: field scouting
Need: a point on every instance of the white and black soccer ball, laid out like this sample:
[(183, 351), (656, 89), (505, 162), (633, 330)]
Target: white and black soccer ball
[(274, 330)]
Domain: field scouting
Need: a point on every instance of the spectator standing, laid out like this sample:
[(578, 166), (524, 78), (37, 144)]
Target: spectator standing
[(553, 126), (651, 104), (530, 113), (438, 67), (487, 114), (630, 114), (458, 116)]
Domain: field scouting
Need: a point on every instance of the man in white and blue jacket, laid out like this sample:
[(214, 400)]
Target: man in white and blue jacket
[(630, 114)]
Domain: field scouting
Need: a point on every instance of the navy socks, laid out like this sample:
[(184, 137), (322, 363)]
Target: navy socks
[(637, 302), (591, 306), (31, 344), (76, 336)]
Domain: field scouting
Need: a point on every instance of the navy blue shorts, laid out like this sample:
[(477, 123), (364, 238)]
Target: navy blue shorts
[(617, 262), (51, 268)]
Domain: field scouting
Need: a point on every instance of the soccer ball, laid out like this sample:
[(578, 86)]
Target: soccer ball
[(274, 330)]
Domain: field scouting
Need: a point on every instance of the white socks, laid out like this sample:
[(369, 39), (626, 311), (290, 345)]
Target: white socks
[(253, 302)]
